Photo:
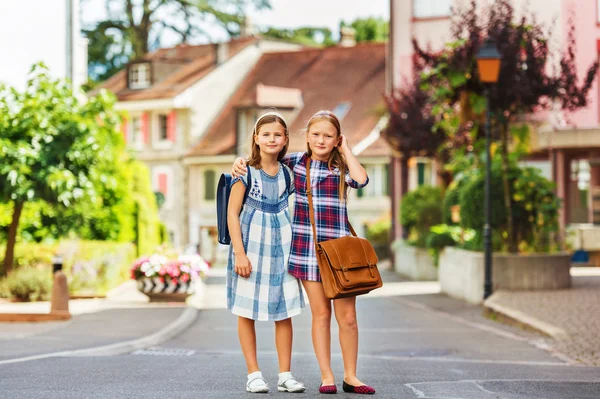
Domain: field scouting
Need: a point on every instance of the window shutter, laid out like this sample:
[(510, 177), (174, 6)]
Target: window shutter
[(210, 185), (163, 183), (386, 179), (171, 126), (124, 127), (145, 128)]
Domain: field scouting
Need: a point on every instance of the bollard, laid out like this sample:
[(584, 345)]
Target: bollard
[(60, 288)]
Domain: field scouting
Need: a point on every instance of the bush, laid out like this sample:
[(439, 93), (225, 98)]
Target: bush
[(91, 267), (28, 284), (534, 207), (94, 267), (420, 209), (378, 232), (443, 235)]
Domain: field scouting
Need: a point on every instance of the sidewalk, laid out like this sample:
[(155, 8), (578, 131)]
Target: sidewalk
[(121, 322), (571, 316)]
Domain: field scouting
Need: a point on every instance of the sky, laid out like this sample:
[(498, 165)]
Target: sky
[(284, 14)]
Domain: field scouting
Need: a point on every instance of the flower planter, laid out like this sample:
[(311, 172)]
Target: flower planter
[(165, 279), (461, 273), (159, 291), (414, 263)]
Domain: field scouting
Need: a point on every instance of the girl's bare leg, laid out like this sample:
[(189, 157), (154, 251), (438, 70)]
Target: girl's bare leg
[(283, 341), (247, 336), (320, 308), (345, 314)]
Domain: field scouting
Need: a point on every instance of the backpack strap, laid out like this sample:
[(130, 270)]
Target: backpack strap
[(249, 183), (288, 179)]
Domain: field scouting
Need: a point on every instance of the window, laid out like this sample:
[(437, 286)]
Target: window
[(162, 182), (136, 131), (431, 8), (210, 185), (162, 127), (378, 182), (139, 76)]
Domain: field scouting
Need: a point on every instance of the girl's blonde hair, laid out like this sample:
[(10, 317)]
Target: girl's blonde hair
[(268, 117), (336, 158)]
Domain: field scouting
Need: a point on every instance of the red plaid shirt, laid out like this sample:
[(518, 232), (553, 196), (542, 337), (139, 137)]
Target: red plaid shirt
[(331, 215)]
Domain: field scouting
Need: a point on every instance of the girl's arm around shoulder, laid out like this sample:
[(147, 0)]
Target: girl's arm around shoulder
[(291, 159)]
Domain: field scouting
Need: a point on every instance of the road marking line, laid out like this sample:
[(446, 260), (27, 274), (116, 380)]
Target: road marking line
[(186, 319)]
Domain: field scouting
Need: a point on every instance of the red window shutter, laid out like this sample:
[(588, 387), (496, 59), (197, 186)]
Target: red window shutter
[(162, 183), (144, 128), (124, 123), (171, 126)]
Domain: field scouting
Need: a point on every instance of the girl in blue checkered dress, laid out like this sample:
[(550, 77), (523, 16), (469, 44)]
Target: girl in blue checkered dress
[(259, 286), (333, 169)]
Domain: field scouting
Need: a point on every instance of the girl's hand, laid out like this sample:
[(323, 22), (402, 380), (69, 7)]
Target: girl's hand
[(243, 267), (239, 167), (343, 145)]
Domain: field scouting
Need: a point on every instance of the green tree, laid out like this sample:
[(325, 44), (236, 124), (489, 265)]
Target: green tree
[(308, 36), (370, 29), (132, 28), (54, 147)]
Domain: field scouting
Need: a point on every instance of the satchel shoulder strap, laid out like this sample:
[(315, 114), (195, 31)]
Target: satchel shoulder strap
[(311, 211)]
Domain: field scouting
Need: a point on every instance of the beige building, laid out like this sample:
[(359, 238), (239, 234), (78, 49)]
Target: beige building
[(171, 97), (348, 80)]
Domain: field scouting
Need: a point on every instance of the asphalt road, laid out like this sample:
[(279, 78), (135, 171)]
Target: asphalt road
[(407, 350)]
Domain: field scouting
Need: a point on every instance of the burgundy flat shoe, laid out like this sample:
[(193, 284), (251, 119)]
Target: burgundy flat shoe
[(364, 389), (329, 389)]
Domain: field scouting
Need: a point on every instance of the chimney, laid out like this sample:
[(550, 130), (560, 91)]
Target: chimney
[(347, 37), (247, 28), (222, 50)]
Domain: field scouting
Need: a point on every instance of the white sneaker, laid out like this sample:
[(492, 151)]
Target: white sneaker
[(256, 383), (287, 383)]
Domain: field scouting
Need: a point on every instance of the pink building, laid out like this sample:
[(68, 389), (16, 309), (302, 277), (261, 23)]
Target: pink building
[(566, 147)]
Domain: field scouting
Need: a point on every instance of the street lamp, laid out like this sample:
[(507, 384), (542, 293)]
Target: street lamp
[(488, 65)]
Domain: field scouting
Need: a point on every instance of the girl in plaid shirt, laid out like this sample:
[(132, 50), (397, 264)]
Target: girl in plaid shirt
[(333, 169)]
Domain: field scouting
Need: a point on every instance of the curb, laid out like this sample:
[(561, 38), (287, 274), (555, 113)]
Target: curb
[(34, 317), (185, 320), (516, 317)]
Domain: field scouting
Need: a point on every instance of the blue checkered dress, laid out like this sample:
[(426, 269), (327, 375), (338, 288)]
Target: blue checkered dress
[(270, 293)]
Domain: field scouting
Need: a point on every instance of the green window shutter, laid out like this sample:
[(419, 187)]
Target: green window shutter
[(386, 179), (210, 187), (421, 173)]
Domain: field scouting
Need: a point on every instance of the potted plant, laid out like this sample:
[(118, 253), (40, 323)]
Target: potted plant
[(165, 278)]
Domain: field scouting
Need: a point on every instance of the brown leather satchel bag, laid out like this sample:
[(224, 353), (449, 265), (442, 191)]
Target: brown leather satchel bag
[(348, 265)]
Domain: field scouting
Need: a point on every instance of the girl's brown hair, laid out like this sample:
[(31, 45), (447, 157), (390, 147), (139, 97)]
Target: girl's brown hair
[(269, 117), (336, 158)]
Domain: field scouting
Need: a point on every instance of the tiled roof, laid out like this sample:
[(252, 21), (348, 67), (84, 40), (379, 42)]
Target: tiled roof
[(325, 78), (189, 64)]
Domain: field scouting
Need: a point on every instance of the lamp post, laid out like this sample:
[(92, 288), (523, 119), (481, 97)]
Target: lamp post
[(488, 65)]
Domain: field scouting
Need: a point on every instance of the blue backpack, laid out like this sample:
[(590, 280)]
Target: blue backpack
[(223, 193)]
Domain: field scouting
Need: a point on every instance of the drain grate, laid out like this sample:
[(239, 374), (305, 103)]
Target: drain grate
[(416, 353), (163, 352)]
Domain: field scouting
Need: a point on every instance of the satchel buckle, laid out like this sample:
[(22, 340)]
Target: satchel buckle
[(344, 270), (371, 268)]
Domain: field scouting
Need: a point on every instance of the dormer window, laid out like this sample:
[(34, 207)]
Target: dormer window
[(139, 76)]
